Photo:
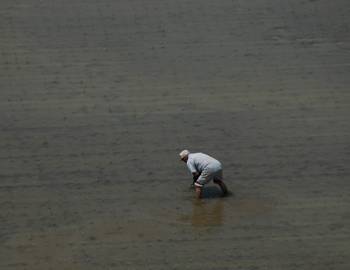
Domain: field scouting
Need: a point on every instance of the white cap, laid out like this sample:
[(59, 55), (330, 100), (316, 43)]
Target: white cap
[(184, 153)]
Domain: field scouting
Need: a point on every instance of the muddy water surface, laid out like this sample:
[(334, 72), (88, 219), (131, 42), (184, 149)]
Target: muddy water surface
[(98, 98)]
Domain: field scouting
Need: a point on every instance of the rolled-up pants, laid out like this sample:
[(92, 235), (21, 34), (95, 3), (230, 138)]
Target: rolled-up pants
[(206, 176)]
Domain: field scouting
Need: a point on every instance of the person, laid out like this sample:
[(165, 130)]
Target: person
[(204, 169)]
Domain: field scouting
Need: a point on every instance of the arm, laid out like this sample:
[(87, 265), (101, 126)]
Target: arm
[(198, 192), (195, 176), (198, 189)]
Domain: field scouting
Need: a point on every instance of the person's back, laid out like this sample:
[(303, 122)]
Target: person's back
[(197, 162)]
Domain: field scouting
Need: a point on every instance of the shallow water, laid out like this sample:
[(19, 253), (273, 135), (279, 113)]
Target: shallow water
[(98, 98)]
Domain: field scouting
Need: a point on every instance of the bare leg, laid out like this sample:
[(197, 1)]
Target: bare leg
[(198, 192), (223, 187)]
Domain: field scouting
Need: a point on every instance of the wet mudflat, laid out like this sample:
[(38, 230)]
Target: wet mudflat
[(98, 98)]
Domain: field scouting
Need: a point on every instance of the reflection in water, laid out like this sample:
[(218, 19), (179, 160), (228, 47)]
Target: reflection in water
[(206, 213), (210, 212)]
